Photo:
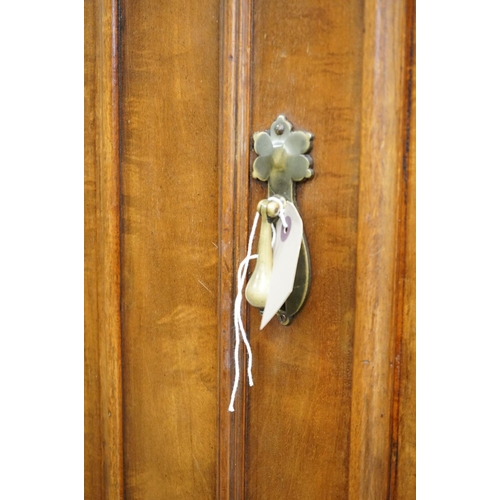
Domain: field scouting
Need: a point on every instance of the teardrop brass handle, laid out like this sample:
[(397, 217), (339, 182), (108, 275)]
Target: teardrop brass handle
[(282, 161), (258, 286)]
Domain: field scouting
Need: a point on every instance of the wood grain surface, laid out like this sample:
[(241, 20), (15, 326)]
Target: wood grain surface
[(234, 150), (93, 437), (170, 255), (404, 440), (173, 92), (381, 192), (307, 65), (103, 389)]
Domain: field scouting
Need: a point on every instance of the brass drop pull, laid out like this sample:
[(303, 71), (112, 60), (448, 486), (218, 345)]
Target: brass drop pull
[(282, 275), (258, 286), (282, 161)]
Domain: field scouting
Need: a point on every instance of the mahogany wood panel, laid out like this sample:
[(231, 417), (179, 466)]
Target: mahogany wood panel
[(381, 195), (170, 254), (93, 450), (405, 466), (307, 65), (103, 403), (173, 92)]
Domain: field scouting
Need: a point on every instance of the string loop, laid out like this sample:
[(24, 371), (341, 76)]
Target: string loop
[(239, 329), (238, 322)]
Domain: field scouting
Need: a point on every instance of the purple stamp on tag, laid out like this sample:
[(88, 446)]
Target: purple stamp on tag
[(286, 231)]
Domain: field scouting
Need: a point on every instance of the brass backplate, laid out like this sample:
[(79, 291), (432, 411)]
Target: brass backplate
[(282, 161)]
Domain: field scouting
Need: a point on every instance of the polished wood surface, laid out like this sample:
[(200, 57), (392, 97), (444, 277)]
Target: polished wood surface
[(93, 437), (234, 151), (173, 93), (308, 66), (380, 192), (404, 468), (103, 387), (170, 254)]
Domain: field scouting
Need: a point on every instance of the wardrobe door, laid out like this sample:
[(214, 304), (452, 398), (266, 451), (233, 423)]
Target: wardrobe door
[(174, 91)]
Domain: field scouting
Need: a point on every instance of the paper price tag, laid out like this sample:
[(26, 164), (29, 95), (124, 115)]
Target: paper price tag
[(285, 258)]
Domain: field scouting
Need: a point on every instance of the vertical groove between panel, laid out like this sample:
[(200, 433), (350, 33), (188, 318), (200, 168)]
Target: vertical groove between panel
[(235, 39)]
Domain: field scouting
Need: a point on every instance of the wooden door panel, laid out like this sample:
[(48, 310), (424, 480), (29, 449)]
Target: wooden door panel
[(170, 247), (404, 435), (174, 91), (93, 437), (308, 65)]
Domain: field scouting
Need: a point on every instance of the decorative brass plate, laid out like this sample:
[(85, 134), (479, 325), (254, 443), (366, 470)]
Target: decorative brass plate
[(282, 161)]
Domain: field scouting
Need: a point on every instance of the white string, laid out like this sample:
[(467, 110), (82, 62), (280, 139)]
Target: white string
[(273, 240), (238, 323), (239, 329), (242, 271)]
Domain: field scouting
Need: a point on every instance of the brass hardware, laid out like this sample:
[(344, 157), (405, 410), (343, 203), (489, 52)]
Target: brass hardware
[(282, 161), (258, 285)]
